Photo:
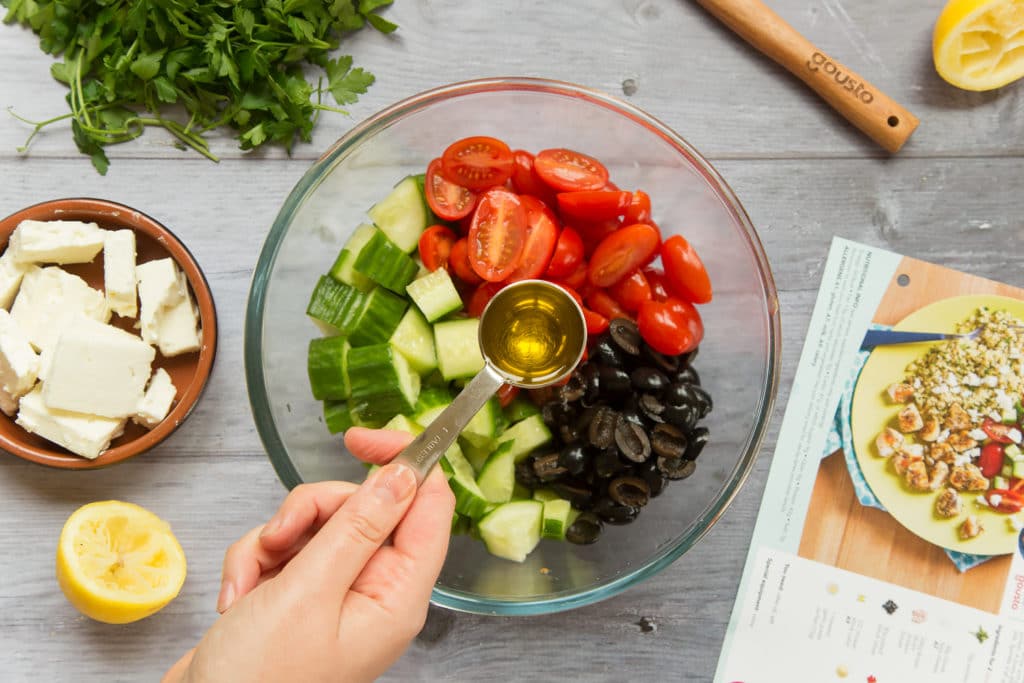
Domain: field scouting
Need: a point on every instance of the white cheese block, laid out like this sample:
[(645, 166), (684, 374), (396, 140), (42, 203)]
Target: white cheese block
[(159, 287), (82, 434), (49, 298), (19, 364), (97, 369), (155, 405), (11, 272), (56, 242), (178, 329), (119, 272)]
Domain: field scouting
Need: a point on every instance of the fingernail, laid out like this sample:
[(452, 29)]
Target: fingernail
[(227, 596), (394, 483), (271, 527)]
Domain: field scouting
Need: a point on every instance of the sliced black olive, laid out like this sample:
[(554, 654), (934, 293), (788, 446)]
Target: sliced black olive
[(679, 394), (698, 439), (632, 440), (688, 358), (585, 530), (555, 413), (573, 458), (626, 336), (525, 474), (629, 491), (613, 513), (614, 382), (668, 441), (650, 473), (592, 384), (687, 374), (547, 468), (606, 352), (651, 407), (601, 432), (648, 379), (574, 389), (585, 417), (576, 492), (703, 399), (569, 432), (632, 414), (676, 468), (662, 361), (685, 416), (607, 463)]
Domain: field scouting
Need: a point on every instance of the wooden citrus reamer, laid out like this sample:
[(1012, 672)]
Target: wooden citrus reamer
[(877, 115)]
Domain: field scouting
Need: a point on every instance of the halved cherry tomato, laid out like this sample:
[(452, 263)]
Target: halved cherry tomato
[(541, 237), (601, 302), (639, 210), (632, 291), (621, 253), (593, 233), (596, 323), (525, 179), (448, 201), (578, 277), (990, 462), (656, 279), (671, 327), (687, 277), (458, 261), (481, 296), (506, 394), (497, 235), (568, 255), (436, 246), (569, 171), (997, 431), (1009, 503), (477, 163), (593, 205)]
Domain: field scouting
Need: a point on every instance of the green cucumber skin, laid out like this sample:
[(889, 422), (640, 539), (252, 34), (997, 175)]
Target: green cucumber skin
[(497, 477), (435, 295), (403, 215), (384, 263), (376, 376), (334, 303), (555, 518), (483, 427), (520, 409), (326, 367), (337, 416), (381, 313), (343, 269)]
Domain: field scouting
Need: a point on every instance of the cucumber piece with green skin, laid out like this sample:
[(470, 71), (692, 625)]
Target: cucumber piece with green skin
[(402, 423), (335, 304), (327, 367), (526, 435), (403, 214), (380, 315), (469, 500), (556, 518), (544, 495), (458, 348), (415, 340), (1018, 469), (498, 475), (337, 416), (384, 263), (343, 269), (434, 294), (477, 456), (482, 429), (520, 409), (382, 382), (511, 531)]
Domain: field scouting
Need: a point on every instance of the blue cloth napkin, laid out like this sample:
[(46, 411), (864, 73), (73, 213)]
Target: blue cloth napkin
[(840, 436)]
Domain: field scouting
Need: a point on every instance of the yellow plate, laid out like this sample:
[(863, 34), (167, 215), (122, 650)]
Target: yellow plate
[(871, 412)]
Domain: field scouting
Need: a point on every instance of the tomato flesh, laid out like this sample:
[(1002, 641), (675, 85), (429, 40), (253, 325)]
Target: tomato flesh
[(632, 291), (477, 163), (458, 260), (1010, 502), (990, 461), (525, 179), (541, 237), (601, 302), (685, 272), (436, 246), (448, 201), (568, 254), (593, 233), (671, 327), (622, 252), (506, 394), (569, 171), (596, 323), (997, 431), (481, 297), (656, 279), (599, 205), (497, 234)]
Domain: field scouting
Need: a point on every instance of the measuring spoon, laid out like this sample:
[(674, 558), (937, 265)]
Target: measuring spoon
[(532, 334)]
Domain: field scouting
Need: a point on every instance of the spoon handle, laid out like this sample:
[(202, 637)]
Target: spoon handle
[(873, 338), (427, 448), (865, 106)]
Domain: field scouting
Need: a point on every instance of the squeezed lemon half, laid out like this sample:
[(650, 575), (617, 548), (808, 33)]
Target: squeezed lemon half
[(979, 44), (118, 562)]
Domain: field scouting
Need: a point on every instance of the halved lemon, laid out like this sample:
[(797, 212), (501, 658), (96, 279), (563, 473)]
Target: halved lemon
[(118, 562), (979, 44)]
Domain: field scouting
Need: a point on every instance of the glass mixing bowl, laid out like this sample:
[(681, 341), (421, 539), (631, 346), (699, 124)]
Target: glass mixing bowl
[(738, 360)]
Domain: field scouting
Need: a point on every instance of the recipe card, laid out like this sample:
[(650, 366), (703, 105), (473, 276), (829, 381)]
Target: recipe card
[(889, 543)]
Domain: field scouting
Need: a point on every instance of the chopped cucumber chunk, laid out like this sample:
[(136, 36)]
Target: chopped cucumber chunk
[(343, 269), (335, 304), (483, 428), (401, 423), (513, 530), (337, 416), (526, 435), (458, 347), (327, 368), (556, 518), (384, 263), (403, 214), (382, 382), (435, 294), (415, 340), (380, 315), (498, 476)]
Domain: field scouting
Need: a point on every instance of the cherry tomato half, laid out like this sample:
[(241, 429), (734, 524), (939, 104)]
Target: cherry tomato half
[(458, 261), (525, 179), (1009, 502), (506, 394), (656, 279), (596, 323), (569, 171), (541, 237), (632, 291), (578, 277), (686, 275), (601, 302), (671, 326), (639, 209), (593, 233), (477, 163), (497, 235), (568, 255), (621, 253), (990, 462), (600, 205), (436, 246), (481, 297), (997, 431), (448, 201)]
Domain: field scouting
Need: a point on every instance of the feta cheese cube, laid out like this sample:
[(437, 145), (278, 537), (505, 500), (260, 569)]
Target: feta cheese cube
[(56, 242), (155, 405), (19, 364), (11, 272), (82, 434), (49, 298), (97, 369), (119, 272), (159, 287), (178, 331)]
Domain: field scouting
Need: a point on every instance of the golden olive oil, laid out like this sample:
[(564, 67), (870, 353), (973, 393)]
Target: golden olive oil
[(534, 332)]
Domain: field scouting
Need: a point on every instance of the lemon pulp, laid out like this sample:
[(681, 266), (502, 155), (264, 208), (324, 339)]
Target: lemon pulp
[(979, 44)]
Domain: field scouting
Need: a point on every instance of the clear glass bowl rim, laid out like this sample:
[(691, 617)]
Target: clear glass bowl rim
[(253, 337)]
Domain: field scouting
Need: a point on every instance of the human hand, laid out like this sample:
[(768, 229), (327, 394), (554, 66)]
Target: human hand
[(315, 594)]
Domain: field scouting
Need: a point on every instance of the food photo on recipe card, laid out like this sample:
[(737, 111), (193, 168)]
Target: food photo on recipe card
[(889, 542)]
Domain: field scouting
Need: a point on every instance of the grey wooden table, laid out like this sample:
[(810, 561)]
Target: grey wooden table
[(954, 195)]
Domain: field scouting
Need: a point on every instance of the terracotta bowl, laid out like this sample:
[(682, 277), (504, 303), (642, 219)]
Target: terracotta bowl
[(189, 371)]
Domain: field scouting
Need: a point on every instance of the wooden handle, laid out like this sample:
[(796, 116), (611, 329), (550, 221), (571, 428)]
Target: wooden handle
[(865, 106)]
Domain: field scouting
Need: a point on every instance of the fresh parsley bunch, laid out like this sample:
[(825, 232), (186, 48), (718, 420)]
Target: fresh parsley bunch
[(130, 64)]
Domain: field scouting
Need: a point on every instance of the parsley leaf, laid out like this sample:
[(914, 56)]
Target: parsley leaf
[(344, 82)]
